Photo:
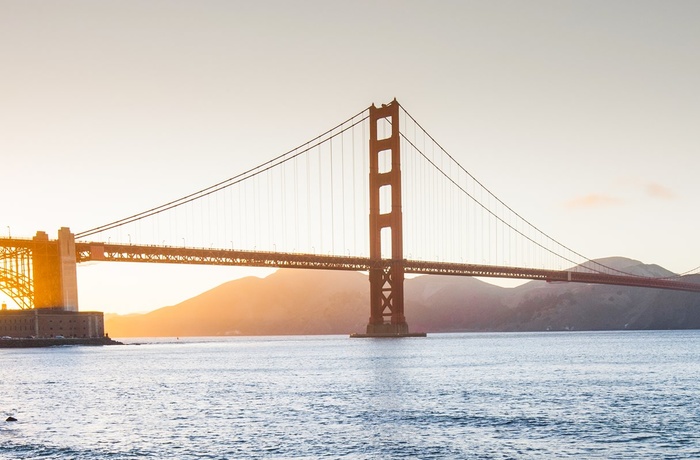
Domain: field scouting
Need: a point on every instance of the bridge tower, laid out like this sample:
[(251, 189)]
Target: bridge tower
[(386, 277)]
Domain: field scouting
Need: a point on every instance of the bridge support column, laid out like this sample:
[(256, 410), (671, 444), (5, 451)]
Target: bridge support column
[(54, 271), (386, 277)]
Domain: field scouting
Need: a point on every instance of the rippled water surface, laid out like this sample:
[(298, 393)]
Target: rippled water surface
[(540, 395)]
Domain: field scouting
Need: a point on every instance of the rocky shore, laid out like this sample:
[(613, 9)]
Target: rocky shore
[(41, 343)]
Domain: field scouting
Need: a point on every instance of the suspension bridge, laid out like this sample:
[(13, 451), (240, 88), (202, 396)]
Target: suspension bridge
[(375, 193)]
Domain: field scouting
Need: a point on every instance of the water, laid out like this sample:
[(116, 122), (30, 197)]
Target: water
[(535, 395)]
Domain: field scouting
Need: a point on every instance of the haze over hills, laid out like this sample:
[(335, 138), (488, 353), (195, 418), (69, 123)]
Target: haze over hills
[(336, 302)]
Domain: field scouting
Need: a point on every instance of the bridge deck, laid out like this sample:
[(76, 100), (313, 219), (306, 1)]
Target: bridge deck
[(89, 251), (196, 256)]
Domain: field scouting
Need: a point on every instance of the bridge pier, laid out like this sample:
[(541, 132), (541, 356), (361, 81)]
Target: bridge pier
[(386, 277), (54, 271)]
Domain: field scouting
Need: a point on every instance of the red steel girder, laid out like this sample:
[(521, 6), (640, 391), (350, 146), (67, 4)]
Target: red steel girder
[(573, 276), (16, 271), (201, 256)]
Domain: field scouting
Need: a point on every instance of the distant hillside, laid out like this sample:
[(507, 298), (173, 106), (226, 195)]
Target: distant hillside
[(336, 302), (286, 302)]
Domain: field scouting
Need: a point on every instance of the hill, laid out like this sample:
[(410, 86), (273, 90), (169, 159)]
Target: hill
[(286, 302), (336, 302)]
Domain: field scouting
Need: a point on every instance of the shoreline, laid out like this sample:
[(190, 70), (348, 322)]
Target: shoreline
[(44, 343)]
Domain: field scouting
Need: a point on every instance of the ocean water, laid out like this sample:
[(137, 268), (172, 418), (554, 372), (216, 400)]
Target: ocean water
[(492, 396)]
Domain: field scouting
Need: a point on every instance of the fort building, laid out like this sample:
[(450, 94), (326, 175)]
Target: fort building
[(49, 323)]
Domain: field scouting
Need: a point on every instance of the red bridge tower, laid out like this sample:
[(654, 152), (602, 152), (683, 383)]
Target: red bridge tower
[(386, 277)]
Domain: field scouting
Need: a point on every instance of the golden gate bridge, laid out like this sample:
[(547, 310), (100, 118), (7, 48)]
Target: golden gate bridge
[(375, 193)]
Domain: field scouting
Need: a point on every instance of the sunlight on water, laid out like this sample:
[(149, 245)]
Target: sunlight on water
[(539, 395)]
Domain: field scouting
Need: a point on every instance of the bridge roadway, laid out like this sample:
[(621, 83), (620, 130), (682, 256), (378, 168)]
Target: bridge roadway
[(92, 251), (200, 256)]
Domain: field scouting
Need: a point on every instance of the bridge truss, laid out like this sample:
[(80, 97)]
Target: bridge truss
[(16, 273), (87, 252)]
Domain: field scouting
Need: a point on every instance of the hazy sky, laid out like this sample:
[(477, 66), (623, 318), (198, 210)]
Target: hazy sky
[(583, 116)]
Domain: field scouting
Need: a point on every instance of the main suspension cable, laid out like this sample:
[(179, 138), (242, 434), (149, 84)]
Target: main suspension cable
[(280, 159)]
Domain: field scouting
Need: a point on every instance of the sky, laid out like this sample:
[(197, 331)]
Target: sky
[(581, 115)]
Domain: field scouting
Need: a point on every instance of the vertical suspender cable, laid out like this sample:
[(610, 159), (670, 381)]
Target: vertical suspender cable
[(296, 205), (342, 188), (308, 202), (353, 158), (320, 200), (332, 195)]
